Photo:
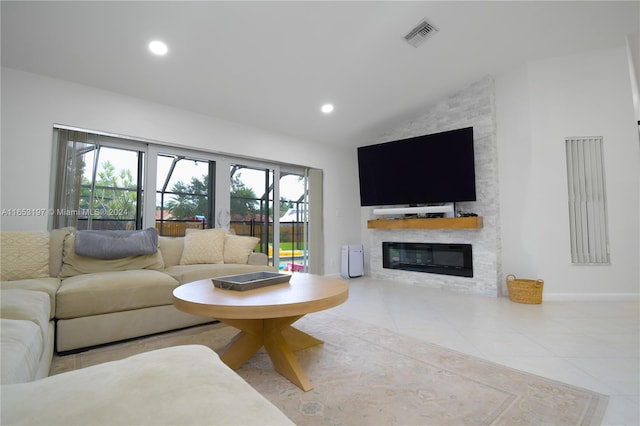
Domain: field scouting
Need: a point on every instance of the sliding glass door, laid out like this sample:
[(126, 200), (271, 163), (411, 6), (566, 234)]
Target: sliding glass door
[(251, 205), (100, 180), (184, 193), (294, 220), (99, 183), (280, 226)]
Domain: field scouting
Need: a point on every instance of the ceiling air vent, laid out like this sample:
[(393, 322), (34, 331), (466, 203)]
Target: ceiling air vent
[(420, 33)]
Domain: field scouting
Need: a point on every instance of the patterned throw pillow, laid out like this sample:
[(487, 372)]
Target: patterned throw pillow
[(203, 246), (238, 248), (24, 255)]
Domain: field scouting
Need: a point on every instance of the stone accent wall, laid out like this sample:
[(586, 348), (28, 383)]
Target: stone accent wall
[(472, 106)]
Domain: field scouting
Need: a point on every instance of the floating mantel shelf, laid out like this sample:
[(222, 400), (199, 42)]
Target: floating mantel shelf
[(472, 222)]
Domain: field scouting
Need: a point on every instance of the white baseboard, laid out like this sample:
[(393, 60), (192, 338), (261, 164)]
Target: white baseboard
[(336, 275), (591, 297), (554, 297)]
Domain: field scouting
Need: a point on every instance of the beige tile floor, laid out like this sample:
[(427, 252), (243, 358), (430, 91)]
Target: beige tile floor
[(594, 345)]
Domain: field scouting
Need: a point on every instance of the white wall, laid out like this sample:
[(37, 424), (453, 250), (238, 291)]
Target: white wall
[(31, 104), (633, 53), (537, 106)]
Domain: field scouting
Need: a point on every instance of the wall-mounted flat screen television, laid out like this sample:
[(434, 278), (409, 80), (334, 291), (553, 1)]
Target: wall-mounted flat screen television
[(429, 169)]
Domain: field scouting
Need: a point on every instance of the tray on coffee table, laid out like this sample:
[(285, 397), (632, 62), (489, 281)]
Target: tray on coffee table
[(250, 281)]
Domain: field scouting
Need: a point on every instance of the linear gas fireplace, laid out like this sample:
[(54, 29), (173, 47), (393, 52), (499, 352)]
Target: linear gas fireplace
[(447, 259)]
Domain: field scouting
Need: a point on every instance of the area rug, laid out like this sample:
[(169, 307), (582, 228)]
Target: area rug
[(368, 375)]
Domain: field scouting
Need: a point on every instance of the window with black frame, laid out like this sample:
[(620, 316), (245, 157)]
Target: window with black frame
[(251, 205), (98, 183), (184, 194)]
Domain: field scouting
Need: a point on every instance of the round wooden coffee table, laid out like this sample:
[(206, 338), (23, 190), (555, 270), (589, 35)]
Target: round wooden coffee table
[(264, 316)]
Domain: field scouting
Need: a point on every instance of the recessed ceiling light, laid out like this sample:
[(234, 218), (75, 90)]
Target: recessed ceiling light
[(158, 48), (327, 108)]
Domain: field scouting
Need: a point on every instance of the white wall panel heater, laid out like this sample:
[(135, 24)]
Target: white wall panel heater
[(587, 200)]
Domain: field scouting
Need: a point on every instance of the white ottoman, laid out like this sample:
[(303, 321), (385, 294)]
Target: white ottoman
[(181, 385)]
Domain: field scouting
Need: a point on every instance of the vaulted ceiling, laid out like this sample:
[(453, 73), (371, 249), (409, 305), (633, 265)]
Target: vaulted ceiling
[(273, 64)]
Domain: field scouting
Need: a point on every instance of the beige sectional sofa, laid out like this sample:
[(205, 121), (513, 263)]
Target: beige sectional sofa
[(101, 301), (48, 292), (96, 301), (27, 334)]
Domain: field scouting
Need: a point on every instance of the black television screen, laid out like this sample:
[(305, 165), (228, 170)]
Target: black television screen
[(429, 169)]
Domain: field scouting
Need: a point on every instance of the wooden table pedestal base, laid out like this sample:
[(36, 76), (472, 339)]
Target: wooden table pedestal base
[(280, 340)]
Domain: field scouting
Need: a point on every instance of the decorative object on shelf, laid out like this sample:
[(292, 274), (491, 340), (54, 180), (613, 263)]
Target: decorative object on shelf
[(524, 291)]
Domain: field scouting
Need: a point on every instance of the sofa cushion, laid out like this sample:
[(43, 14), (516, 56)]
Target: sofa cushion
[(181, 385), (24, 255), (46, 285), (25, 334), (238, 248), (73, 264), (258, 259), (187, 273), (56, 245), (26, 305), (21, 347), (105, 292), (203, 246), (171, 248)]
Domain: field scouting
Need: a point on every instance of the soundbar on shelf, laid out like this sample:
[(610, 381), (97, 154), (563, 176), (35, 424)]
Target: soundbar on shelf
[(447, 209)]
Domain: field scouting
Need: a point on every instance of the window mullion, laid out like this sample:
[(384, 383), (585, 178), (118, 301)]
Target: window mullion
[(94, 173)]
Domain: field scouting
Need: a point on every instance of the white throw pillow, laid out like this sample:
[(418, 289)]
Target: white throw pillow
[(238, 248), (24, 255), (203, 246)]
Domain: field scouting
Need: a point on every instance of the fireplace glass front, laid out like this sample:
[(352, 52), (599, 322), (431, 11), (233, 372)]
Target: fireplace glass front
[(447, 259)]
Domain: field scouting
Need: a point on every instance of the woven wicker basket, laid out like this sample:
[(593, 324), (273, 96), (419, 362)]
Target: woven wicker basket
[(524, 291)]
